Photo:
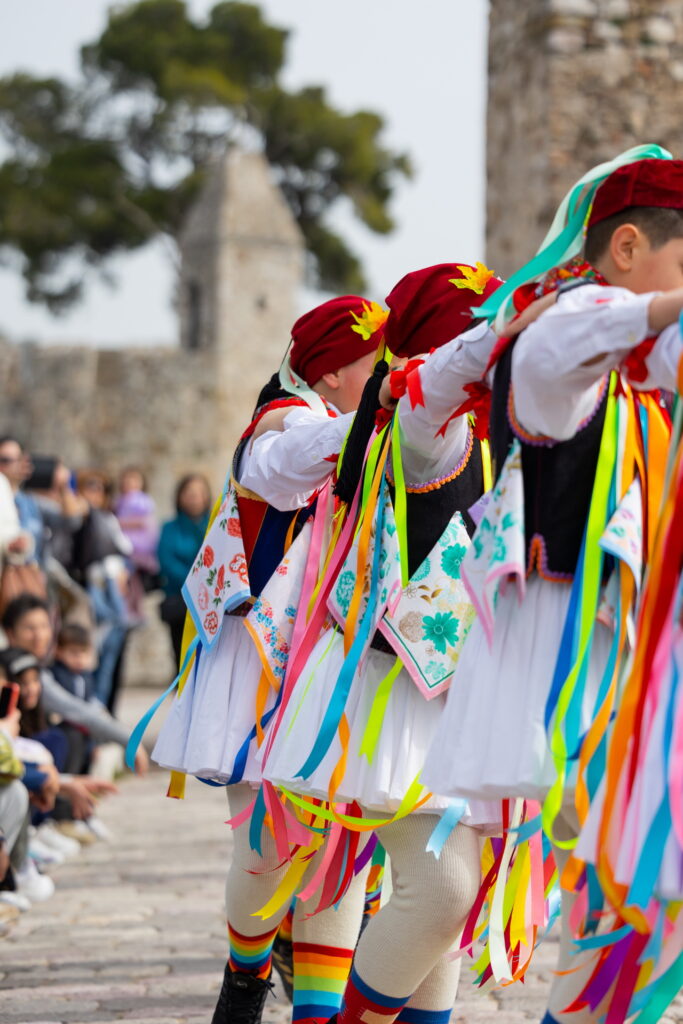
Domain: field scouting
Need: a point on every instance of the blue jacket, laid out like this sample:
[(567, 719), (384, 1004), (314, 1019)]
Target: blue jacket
[(180, 540)]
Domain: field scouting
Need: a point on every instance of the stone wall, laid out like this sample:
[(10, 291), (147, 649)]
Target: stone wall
[(572, 83)]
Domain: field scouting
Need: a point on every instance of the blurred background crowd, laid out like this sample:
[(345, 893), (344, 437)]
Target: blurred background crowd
[(78, 553)]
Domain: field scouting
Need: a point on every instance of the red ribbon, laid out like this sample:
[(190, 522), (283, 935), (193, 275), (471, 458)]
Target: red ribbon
[(479, 403), (635, 364), (407, 379)]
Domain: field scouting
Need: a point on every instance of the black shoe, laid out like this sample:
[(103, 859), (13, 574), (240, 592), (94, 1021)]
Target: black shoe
[(283, 962), (242, 998)]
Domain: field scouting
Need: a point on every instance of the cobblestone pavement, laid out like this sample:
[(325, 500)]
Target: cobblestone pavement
[(135, 931)]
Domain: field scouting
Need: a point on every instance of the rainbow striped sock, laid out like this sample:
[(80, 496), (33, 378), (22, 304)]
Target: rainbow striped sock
[(320, 975), (361, 1003), (411, 1015), (251, 954)]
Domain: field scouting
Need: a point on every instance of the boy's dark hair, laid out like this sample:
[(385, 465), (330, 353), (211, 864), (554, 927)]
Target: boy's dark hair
[(659, 223), (19, 607), (73, 634)]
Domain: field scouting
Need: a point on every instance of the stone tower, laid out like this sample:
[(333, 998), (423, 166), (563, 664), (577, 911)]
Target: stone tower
[(242, 265), (572, 83)]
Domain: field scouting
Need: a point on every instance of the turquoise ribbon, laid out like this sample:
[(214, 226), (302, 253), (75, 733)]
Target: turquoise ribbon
[(556, 251), (543, 261), (140, 729), (652, 1001)]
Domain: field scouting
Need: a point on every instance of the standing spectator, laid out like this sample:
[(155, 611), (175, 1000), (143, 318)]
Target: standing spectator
[(100, 552), (181, 539), (136, 513), (62, 510), (16, 465), (13, 540)]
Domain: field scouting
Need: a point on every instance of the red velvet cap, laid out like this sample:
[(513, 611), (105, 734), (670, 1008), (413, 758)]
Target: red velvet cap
[(643, 183), (426, 309), (334, 334)]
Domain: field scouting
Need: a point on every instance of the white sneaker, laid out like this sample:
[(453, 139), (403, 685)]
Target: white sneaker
[(15, 899), (43, 854), (50, 837), (32, 884), (98, 828)]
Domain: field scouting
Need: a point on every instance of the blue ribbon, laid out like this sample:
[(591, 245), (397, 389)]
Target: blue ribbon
[(240, 762), (140, 729), (447, 822), (602, 941)]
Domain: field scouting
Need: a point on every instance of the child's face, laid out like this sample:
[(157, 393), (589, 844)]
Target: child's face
[(131, 480), (654, 270), (77, 658), (33, 632), (29, 689)]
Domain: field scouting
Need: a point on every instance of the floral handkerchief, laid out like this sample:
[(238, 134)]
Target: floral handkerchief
[(428, 625), (219, 579), (271, 621), (498, 549)]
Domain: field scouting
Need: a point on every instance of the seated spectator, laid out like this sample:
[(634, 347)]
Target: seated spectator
[(13, 810), (181, 539), (75, 660), (46, 749), (27, 624), (100, 553)]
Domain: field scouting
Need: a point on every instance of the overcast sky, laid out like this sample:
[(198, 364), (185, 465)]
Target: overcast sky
[(421, 63)]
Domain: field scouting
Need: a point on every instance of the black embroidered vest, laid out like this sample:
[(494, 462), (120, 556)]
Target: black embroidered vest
[(431, 506), (558, 478)]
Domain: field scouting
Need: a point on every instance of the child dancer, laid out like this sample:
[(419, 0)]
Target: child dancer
[(286, 454), (573, 447), (400, 970)]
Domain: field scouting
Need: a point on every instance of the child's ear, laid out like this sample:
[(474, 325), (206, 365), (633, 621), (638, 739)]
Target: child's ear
[(623, 244), (331, 380)]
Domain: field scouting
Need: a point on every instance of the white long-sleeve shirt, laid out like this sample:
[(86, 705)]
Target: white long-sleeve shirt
[(285, 467), (560, 359), (444, 376)]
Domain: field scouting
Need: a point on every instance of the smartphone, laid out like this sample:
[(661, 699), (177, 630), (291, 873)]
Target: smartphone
[(9, 696)]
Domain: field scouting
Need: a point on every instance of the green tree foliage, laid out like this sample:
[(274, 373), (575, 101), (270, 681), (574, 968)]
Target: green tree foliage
[(104, 165)]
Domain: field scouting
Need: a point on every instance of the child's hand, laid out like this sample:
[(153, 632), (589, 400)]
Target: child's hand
[(514, 327)]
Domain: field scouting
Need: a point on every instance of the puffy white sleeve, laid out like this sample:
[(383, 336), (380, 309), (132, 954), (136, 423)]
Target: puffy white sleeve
[(560, 359), (443, 376), (285, 467)]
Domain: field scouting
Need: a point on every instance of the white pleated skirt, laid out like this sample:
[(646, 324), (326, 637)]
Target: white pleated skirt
[(491, 741), (211, 719), (408, 728)]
